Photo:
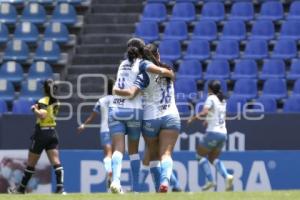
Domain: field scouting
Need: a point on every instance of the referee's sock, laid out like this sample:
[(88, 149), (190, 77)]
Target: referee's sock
[(59, 172), (28, 172)]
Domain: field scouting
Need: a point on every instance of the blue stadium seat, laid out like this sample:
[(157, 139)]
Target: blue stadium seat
[(217, 69), (11, 71), (246, 68), (185, 89), (223, 87), (155, 12), (64, 13), (47, 51), (227, 49), (205, 30), (275, 88), (273, 68), (246, 88), (16, 50), (170, 50), (148, 30), (73, 2), (26, 32), (296, 89), (269, 104), (242, 11), (15, 2), (256, 49), (7, 91), (272, 10), (294, 72), (34, 13), (158, 1), (40, 71), (43, 2), (285, 49), (190, 69), (3, 106), (263, 29), (290, 30), (57, 32), (234, 30), (176, 30), (235, 104), (3, 33), (294, 12), (8, 13), (22, 107), (198, 49), (292, 105), (31, 89), (184, 107), (213, 11), (184, 11)]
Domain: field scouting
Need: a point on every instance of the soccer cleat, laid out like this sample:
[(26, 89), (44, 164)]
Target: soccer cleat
[(177, 190), (229, 183), (163, 188), (208, 186), (15, 191), (116, 188), (60, 191)]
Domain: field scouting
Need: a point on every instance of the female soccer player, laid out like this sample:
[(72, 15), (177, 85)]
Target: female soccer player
[(44, 138), (161, 121), (214, 111), (101, 107)]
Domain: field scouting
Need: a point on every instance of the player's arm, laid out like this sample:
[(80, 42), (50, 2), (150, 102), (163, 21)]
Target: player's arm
[(200, 115), (40, 110), (87, 121), (130, 93), (164, 72)]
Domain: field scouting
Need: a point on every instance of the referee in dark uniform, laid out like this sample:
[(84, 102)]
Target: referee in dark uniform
[(44, 138)]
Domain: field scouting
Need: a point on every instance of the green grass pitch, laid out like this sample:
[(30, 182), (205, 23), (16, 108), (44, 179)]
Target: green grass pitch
[(278, 195)]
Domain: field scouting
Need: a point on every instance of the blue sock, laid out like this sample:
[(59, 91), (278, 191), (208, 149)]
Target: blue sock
[(206, 168), (107, 164), (221, 168), (116, 164), (174, 181), (135, 165), (155, 170), (166, 170), (143, 176)]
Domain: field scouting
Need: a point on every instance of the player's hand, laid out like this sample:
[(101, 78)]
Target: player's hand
[(191, 119), (80, 129), (33, 107)]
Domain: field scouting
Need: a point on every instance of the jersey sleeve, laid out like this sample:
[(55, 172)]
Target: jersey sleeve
[(140, 81), (209, 102), (144, 65), (97, 106)]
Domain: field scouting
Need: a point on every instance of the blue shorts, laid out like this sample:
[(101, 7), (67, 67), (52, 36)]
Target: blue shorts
[(125, 121), (105, 139), (152, 127), (213, 140)]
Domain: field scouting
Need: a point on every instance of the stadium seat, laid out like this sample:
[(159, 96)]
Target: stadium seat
[(34, 13), (154, 12), (275, 88), (73, 2), (256, 49), (246, 68), (184, 107), (236, 104), (242, 11), (184, 11), (294, 11), (224, 88), (296, 89), (7, 91), (273, 68), (147, 30), (234, 30), (64, 13), (26, 32), (4, 35), (15, 2), (31, 90), (57, 32), (290, 30), (8, 13), (47, 51), (43, 2), (213, 11), (205, 30), (198, 49), (269, 104), (3, 106), (11, 71), (158, 1), (170, 50), (190, 69), (294, 72), (263, 29), (22, 107), (185, 89), (40, 71), (285, 49), (272, 10), (16, 50), (217, 69), (292, 105), (246, 88), (227, 49), (176, 30)]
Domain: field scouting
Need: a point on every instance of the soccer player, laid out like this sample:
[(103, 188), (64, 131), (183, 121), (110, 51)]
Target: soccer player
[(209, 149), (101, 107), (44, 138)]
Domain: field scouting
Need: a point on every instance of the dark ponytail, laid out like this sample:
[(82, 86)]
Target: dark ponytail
[(135, 48), (151, 53), (215, 87), (110, 85), (50, 90)]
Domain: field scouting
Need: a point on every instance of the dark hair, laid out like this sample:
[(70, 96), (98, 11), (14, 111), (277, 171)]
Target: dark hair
[(215, 87), (110, 85), (135, 48), (50, 90), (151, 53)]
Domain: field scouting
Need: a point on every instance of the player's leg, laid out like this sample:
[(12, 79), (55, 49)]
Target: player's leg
[(107, 149), (174, 183)]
